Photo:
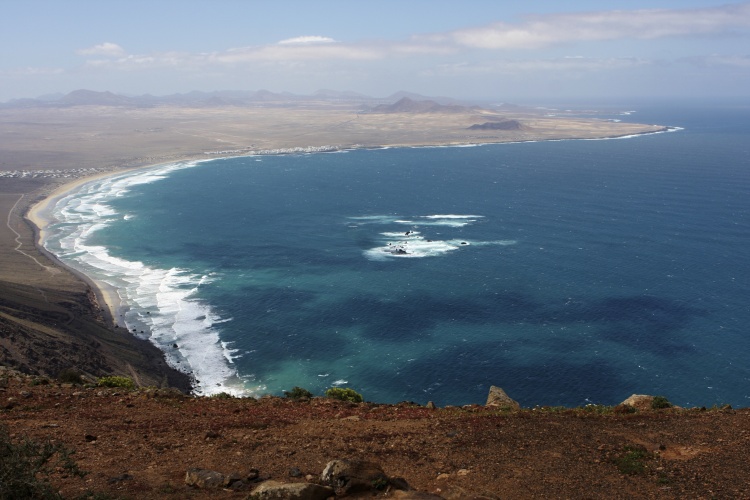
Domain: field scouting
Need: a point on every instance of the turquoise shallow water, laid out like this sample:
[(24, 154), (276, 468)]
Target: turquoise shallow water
[(565, 272)]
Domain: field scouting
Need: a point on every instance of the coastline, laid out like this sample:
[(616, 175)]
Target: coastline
[(107, 298), (40, 217)]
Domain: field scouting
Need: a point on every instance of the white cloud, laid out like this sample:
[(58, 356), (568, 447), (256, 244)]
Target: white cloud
[(32, 71), (299, 52), (306, 40), (420, 52), (544, 31), (106, 49), (521, 68), (537, 32)]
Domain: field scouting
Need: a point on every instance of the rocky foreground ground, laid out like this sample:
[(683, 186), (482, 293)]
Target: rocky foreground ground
[(144, 443)]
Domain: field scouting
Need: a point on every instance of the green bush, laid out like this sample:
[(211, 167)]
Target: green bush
[(221, 395), (122, 382), (70, 376), (633, 460), (298, 393), (344, 394), (660, 402), (25, 467), (598, 409)]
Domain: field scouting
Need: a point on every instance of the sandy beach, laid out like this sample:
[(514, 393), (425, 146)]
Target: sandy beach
[(41, 215)]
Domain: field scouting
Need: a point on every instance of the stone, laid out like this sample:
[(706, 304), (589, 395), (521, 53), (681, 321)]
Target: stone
[(498, 398), (230, 479), (349, 476), (415, 495), (455, 492), (274, 490), (399, 483), (204, 478), (639, 401), (430, 405), (169, 393), (119, 479)]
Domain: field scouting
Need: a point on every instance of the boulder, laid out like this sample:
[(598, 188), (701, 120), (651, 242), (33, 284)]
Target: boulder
[(204, 478), (498, 398), (349, 476), (639, 401), (274, 490), (644, 402), (415, 495)]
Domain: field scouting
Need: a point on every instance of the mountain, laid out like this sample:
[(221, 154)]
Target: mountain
[(346, 95), (418, 97), (407, 105), (504, 124), (405, 101), (90, 97)]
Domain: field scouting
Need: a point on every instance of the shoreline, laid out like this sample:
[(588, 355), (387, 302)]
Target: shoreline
[(39, 215), (107, 298)]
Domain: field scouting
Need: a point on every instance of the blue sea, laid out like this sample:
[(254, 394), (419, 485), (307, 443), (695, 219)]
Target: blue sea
[(566, 272)]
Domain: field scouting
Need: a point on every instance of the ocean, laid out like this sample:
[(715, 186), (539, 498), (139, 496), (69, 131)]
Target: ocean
[(566, 272)]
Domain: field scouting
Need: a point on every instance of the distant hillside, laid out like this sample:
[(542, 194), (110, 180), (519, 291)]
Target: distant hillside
[(500, 125), (407, 105), (341, 95), (418, 97), (90, 97), (410, 102)]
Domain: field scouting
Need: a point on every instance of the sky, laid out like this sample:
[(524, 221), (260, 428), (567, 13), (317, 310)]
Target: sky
[(471, 49)]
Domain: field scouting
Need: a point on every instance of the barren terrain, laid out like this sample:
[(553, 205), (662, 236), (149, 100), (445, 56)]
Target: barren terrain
[(141, 444)]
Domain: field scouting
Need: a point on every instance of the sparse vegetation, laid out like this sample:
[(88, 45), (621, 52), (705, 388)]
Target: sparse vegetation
[(122, 382), (25, 467), (598, 409), (590, 409), (660, 402), (633, 460), (298, 393), (344, 394), (380, 483), (70, 376), (222, 395)]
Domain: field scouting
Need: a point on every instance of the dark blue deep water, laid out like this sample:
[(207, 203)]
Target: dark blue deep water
[(566, 272)]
